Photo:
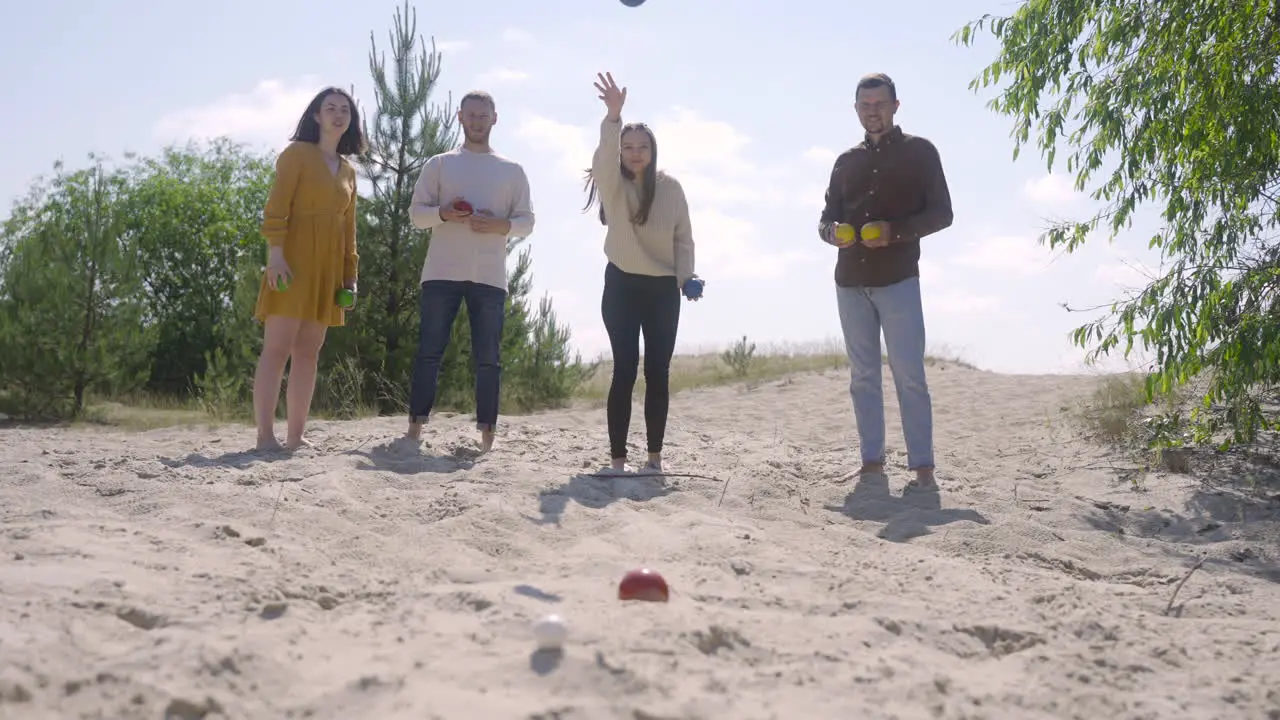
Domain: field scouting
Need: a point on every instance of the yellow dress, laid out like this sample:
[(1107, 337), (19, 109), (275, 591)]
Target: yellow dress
[(311, 213)]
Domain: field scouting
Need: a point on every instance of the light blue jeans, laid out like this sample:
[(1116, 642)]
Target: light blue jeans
[(864, 312)]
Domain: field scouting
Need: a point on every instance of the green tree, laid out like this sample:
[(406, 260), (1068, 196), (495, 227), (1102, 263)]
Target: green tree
[(194, 214), (71, 308), (540, 369), (1173, 104), (406, 128)]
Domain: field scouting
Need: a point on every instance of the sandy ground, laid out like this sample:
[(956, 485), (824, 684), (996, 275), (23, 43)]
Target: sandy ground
[(171, 575)]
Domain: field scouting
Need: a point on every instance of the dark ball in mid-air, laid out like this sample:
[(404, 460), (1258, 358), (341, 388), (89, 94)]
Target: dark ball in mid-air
[(633, 3)]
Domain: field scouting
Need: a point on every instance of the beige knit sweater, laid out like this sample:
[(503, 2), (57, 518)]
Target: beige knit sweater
[(664, 244)]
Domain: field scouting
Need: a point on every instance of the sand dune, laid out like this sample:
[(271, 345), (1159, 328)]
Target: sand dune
[(167, 574)]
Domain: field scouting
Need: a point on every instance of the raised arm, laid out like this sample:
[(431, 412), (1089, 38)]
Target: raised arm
[(424, 208), (937, 213), (275, 216), (605, 168), (683, 237)]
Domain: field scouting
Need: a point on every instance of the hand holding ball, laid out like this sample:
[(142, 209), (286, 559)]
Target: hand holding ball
[(845, 233), (870, 231), (693, 288)]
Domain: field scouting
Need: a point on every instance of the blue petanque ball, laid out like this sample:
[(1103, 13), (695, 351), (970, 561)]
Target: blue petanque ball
[(633, 3), (693, 286)]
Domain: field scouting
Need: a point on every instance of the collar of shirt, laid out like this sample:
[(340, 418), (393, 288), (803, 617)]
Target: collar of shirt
[(892, 137)]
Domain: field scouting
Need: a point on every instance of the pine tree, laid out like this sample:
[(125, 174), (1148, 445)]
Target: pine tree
[(405, 130), (72, 309)]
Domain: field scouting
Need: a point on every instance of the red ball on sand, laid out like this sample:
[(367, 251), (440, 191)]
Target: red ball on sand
[(643, 584)]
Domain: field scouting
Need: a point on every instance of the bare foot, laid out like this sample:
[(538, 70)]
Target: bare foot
[(871, 469), (924, 481), (486, 440), (619, 464), (298, 444), (654, 466), (414, 432), (269, 444)]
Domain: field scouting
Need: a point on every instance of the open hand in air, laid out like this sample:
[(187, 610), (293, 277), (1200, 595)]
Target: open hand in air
[(613, 97)]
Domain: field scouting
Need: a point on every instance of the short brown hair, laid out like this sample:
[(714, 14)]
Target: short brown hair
[(875, 80), (478, 95)]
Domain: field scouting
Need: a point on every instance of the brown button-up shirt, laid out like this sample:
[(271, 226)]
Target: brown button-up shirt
[(898, 180)]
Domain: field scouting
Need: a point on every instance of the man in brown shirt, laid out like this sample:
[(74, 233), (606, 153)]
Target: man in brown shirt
[(891, 189)]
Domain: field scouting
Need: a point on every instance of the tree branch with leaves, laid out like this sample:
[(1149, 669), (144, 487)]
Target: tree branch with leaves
[(1172, 104)]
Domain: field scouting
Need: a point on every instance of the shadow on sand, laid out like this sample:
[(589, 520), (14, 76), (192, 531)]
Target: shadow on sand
[(596, 493), (905, 517), (545, 661), (1231, 521), (240, 460), (401, 458)]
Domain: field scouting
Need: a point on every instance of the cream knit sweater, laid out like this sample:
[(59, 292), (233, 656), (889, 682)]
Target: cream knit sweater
[(664, 244)]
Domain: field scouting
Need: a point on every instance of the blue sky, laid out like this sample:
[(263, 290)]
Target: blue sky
[(750, 99)]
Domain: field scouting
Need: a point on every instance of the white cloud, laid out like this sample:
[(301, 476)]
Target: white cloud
[(1051, 189), (941, 300), (709, 159), (517, 36), (729, 246), (452, 46), (571, 145), (503, 75), (819, 155), (267, 114), (951, 302), (688, 142), (1017, 255)]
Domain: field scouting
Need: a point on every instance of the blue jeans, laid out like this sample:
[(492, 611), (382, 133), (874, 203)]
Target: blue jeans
[(486, 307), (896, 309)]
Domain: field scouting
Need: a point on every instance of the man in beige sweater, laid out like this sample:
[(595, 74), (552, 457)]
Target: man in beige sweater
[(473, 200)]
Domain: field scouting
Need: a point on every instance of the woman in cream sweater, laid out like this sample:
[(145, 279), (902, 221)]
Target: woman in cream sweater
[(649, 247)]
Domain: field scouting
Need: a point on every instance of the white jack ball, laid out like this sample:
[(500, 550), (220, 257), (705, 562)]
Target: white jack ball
[(550, 632)]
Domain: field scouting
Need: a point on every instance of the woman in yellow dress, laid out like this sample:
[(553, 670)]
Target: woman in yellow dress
[(310, 226)]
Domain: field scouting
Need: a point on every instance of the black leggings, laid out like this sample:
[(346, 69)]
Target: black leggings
[(632, 305)]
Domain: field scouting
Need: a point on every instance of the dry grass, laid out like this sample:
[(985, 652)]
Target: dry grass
[(708, 367), (146, 413), (749, 365), (1119, 412), (1110, 413)]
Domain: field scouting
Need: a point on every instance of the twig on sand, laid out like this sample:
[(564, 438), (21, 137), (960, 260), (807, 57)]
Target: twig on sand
[(650, 475), (279, 495), (1169, 608)]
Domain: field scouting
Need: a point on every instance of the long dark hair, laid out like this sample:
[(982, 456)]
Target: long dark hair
[(352, 141), (648, 187)]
